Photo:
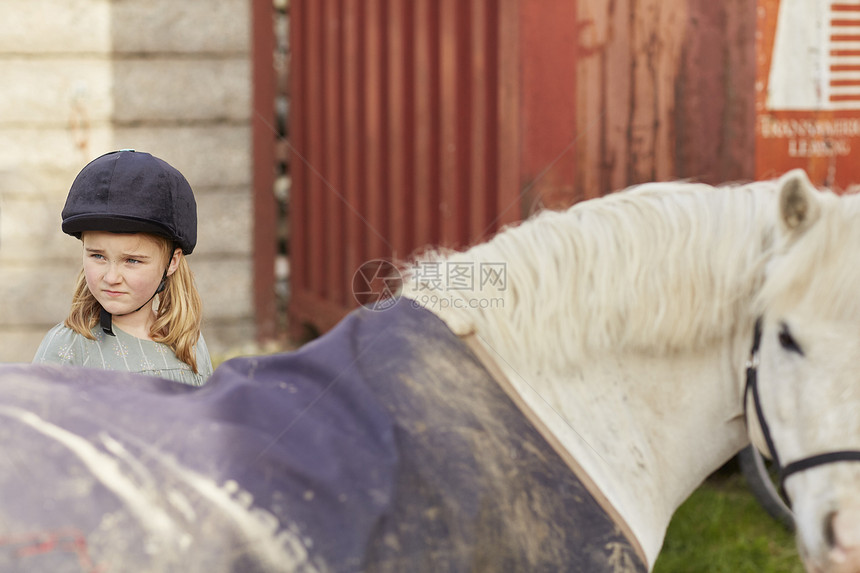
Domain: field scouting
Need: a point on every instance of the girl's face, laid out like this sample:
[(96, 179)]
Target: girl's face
[(124, 270)]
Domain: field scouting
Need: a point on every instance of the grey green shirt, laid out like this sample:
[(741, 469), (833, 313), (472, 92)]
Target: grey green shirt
[(123, 352)]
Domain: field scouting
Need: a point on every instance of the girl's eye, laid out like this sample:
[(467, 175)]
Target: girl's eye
[(133, 261), (96, 256), (787, 341)]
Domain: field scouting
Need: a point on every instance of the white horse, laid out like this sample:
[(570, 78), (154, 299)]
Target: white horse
[(631, 331), (625, 325)]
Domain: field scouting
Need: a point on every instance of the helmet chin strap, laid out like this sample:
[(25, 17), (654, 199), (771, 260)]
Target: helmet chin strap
[(105, 318)]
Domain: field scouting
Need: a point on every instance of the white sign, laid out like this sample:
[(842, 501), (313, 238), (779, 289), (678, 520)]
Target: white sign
[(816, 56)]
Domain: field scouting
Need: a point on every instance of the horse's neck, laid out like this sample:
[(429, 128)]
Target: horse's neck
[(626, 338), (649, 272), (646, 430)]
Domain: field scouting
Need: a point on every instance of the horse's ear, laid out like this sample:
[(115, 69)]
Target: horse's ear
[(799, 204)]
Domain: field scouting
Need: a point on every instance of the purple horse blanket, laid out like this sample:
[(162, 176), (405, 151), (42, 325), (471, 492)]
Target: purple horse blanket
[(383, 446)]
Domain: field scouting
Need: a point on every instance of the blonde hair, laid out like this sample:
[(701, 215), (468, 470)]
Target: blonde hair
[(178, 315)]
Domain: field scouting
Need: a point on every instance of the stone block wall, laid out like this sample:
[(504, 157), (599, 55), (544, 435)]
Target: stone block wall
[(83, 77)]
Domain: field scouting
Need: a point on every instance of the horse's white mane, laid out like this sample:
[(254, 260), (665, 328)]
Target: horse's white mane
[(656, 268)]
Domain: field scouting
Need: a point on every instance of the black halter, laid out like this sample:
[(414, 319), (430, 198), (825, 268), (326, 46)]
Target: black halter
[(795, 466)]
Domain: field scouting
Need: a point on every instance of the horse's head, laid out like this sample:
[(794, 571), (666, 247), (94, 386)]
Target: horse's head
[(808, 378)]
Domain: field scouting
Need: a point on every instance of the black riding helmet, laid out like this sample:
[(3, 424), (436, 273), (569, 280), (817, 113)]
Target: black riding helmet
[(131, 191)]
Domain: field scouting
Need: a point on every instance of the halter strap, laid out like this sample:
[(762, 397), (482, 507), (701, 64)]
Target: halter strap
[(819, 460), (752, 386), (796, 466)]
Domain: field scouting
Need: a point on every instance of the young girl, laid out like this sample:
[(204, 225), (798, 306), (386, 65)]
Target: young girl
[(135, 307)]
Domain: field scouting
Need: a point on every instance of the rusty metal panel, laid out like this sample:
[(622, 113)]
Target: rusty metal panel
[(667, 90)]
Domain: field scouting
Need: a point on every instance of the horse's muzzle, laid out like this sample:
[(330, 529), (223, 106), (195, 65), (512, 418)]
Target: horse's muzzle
[(841, 532), (844, 526)]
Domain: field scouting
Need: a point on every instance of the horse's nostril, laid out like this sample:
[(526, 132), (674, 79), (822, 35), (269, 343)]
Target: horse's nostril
[(842, 530), (829, 532)]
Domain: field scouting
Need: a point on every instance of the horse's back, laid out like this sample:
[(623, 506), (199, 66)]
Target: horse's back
[(478, 488)]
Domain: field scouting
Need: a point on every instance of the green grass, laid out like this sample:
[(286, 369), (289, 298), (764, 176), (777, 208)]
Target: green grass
[(722, 529)]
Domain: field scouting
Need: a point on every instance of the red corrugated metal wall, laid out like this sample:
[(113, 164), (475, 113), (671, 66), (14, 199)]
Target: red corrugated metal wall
[(405, 122), (435, 122)]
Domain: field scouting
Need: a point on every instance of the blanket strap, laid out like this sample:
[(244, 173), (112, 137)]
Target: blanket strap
[(492, 367)]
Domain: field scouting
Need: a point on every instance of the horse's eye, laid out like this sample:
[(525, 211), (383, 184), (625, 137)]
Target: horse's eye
[(787, 340)]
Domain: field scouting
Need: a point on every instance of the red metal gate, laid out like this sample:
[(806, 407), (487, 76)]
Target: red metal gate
[(435, 122), (409, 127)]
